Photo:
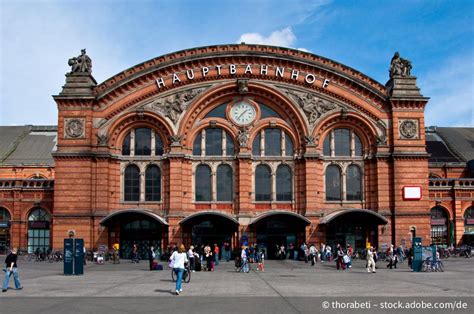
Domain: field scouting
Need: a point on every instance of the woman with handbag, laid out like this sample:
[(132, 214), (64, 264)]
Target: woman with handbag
[(178, 259)]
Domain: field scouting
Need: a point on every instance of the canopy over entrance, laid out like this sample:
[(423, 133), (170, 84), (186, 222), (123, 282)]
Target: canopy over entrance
[(208, 213), (108, 219), (271, 213), (373, 216)]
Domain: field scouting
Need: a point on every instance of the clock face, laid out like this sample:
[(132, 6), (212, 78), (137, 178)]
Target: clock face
[(243, 113)]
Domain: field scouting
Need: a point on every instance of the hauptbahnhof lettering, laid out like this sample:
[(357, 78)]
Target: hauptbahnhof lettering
[(235, 143)]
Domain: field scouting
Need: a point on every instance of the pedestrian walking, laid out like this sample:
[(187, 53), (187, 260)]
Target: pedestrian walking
[(178, 259), (261, 260), (216, 254), (151, 256), (313, 251), (208, 257), (350, 251), (392, 257), (192, 263), (11, 268), (135, 254), (227, 251), (339, 257), (244, 257), (370, 260)]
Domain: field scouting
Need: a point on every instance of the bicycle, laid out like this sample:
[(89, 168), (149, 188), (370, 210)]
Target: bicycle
[(432, 265), (240, 265), (186, 274)]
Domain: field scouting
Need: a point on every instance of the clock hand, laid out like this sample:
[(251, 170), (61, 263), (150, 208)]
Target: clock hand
[(242, 114)]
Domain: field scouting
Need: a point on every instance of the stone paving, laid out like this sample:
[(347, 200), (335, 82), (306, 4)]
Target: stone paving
[(281, 281)]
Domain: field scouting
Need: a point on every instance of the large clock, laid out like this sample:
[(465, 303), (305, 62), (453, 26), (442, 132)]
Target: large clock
[(243, 113)]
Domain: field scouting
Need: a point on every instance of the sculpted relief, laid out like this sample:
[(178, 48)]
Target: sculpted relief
[(313, 106), (174, 105)]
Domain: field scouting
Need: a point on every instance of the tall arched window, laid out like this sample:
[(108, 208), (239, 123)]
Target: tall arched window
[(202, 179), (38, 230), (138, 142), (215, 140), (469, 221), (4, 230), (275, 143), (333, 183), (343, 183), (153, 184), (126, 145), (142, 142), (283, 183), (224, 183), (439, 226), (132, 184), (158, 146), (353, 183), (263, 183)]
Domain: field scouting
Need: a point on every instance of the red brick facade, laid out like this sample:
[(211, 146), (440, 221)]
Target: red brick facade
[(89, 166)]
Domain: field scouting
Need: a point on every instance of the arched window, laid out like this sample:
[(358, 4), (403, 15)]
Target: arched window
[(263, 183), (283, 183), (158, 146), (256, 145), (439, 226), (4, 230), (342, 142), (275, 143), (4, 214), (126, 145), (224, 183), (214, 142), (202, 179), (142, 142), (353, 183), (38, 230), (153, 184), (345, 143), (333, 183), (469, 221), (132, 184), (197, 145), (272, 142)]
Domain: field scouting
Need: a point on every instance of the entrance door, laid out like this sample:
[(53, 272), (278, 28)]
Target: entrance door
[(208, 229), (277, 230), (142, 231)]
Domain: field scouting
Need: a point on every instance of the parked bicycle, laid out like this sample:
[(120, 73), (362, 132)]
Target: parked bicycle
[(429, 264), (186, 274)]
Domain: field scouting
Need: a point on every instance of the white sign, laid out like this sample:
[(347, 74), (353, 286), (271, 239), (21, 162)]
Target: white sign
[(412, 192)]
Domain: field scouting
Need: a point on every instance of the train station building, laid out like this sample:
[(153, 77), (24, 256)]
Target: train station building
[(240, 144)]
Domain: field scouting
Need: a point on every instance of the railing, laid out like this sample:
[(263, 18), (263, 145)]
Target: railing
[(436, 183), (26, 183)]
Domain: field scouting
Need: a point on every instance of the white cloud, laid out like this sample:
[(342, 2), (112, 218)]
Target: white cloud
[(451, 90), (283, 38)]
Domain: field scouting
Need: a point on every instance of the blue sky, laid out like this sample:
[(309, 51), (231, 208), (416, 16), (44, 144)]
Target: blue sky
[(38, 37)]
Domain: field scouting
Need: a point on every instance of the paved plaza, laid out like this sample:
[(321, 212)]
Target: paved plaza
[(285, 287)]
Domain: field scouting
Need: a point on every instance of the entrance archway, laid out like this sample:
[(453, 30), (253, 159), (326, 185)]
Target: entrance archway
[(276, 228), (138, 227), (4, 230), (356, 227), (439, 226), (209, 228)]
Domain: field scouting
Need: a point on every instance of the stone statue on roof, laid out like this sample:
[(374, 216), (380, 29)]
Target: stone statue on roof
[(399, 66), (81, 64)]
